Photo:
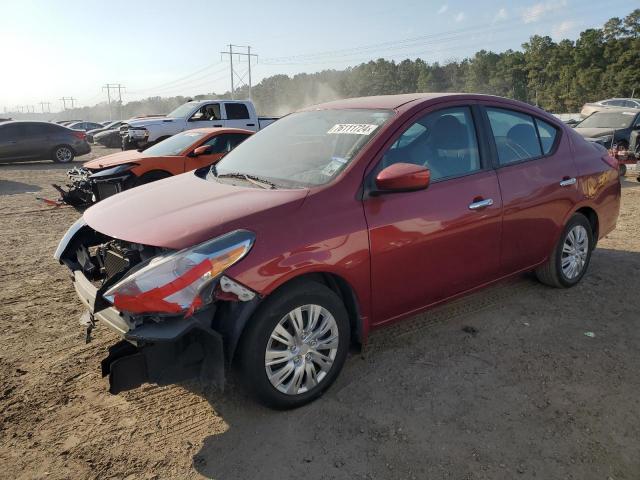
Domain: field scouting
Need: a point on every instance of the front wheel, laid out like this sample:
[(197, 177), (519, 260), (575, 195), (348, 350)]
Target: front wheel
[(570, 258), (295, 345)]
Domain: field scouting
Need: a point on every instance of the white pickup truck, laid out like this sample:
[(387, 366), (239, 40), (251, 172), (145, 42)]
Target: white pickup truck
[(143, 132)]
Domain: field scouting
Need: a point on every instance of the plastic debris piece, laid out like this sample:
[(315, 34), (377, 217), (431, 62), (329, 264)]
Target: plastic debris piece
[(589, 334)]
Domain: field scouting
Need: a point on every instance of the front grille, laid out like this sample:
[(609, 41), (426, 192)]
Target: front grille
[(106, 189), (114, 263)]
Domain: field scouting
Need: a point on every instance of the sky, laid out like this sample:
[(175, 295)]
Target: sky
[(51, 49)]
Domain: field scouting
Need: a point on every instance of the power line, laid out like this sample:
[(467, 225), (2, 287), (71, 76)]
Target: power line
[(176, 81)]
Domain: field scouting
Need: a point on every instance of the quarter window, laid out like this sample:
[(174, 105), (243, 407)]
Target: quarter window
[(443, 141), (547, 134), (515, 135)]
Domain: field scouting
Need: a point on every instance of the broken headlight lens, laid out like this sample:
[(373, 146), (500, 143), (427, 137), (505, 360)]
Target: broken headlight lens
[(174, 283)]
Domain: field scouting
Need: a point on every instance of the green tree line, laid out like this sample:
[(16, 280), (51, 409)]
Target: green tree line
[(557, 76)]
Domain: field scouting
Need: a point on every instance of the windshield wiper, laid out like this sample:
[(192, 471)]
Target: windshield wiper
[(261, 182)]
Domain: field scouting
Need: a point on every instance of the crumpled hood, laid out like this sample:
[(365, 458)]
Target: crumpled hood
[(144, 122), (594, 132), (182, 211), (128, 156)]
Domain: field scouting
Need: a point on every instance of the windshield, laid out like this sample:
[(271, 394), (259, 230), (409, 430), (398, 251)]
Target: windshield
[(173, 145), (608, 120), (182, 111), (304, 149)]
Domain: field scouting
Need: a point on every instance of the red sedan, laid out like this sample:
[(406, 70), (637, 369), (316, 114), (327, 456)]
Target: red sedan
[(335, 220)]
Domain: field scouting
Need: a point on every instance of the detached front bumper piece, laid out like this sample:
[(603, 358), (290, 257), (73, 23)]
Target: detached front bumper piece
[(164, 352)]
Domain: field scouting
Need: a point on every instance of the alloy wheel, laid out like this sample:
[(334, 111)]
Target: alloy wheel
[(301, 349), (64, 154), (574, 252)]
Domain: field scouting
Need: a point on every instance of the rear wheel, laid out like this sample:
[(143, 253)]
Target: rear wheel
[(570, 258), (63, 154), (295, 346)]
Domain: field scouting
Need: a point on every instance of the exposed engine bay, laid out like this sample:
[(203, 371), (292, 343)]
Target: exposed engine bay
[(86, 187)]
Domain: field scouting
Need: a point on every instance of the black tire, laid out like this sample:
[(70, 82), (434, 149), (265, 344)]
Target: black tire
[(551, 273), (63, 154), (623, 169), (255, 341), (151, 177)]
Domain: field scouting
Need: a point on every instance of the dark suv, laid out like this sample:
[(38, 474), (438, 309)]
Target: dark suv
[(21, 141)]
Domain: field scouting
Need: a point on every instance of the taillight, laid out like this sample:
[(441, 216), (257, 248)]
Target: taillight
[(611, 161), (80, 135)]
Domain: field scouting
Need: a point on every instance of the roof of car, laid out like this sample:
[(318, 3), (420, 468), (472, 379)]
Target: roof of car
[(211, 130), (395, 102), (41, 122), (627, 110)]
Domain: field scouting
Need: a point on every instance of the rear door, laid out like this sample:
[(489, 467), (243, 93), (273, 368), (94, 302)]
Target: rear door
[(431, 244), (238, 116), (537, 179)]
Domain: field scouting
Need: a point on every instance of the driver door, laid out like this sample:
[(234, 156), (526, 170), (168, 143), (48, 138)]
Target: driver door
[(207, 116), (219, 146), (431, 244)]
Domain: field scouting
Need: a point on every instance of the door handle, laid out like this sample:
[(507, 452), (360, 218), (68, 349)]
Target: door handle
[(567, 182), (251, 124), (481, 204), (217, 125)]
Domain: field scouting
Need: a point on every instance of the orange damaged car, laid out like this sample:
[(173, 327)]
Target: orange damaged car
[(189, 150)]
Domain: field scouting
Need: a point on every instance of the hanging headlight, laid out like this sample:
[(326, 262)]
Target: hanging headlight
[(174, 283)]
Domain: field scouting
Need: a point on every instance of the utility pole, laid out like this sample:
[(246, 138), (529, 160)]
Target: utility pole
[(48, 104), (65, 100), (108, 88), (234, 74)]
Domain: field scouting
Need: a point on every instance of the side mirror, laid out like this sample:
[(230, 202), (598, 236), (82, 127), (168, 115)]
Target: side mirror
[(403, 177), (202, 150)]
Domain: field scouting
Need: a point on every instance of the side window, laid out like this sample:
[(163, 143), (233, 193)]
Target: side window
[(236, 111), (207, 113), (12, 132), (218, 143), (547, 134), (35, 129), (236, 139), (443, 141), (515, 135)]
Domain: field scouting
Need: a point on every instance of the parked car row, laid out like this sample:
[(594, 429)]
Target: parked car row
[(337, 219)]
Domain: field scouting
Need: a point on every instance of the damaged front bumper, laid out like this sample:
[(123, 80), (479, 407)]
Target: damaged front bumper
[(167, 351), (86, 187), (157, 349)]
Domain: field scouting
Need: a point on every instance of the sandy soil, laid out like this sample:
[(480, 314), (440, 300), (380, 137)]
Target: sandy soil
[(527, 396)]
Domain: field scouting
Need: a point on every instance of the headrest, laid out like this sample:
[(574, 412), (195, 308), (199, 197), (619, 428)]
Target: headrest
[(449, 134), (525, 135)]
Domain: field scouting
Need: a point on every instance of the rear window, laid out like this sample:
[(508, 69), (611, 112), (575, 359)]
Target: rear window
[(236, 111), (515, 135)]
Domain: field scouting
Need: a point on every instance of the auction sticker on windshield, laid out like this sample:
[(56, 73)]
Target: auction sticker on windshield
[(352, 129)]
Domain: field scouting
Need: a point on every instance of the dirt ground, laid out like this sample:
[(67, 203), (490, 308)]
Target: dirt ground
[(529, 395)]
